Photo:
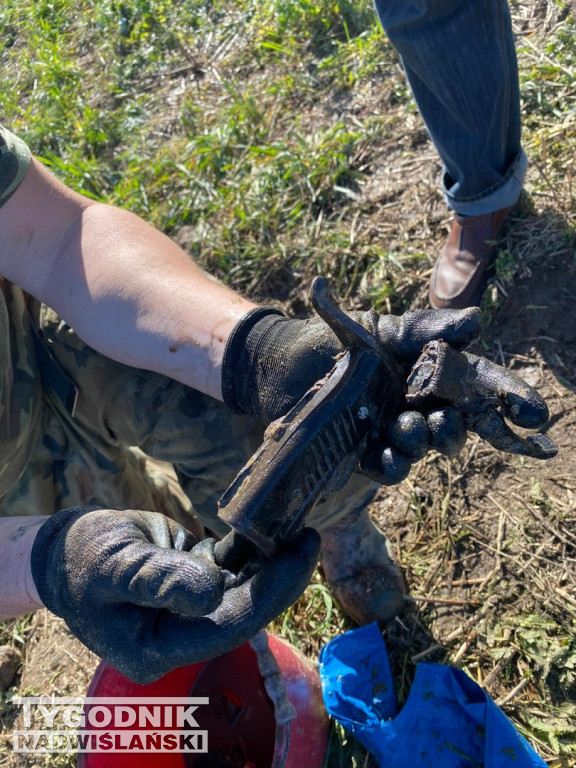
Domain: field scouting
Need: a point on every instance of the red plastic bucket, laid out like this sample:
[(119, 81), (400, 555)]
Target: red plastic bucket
[(264, 710)]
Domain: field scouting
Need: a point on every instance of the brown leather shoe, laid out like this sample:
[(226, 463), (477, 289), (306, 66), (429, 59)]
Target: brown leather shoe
[(361, 573), (462, 269)]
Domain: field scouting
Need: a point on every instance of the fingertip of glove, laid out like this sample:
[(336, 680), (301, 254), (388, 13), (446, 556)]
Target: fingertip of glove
[(467, 325), (203, 601), (528, 410), (472, 312), (387, 467), (447, 431)]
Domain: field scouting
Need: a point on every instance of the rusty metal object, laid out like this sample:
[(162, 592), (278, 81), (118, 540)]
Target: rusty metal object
[(472, 385), (313, 450)]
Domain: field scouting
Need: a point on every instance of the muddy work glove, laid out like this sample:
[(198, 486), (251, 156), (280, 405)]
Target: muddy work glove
[(271, 360), (484, 394), (141, 592)]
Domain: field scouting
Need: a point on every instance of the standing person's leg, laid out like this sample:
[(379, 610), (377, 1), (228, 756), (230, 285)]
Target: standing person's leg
[(460, 61)]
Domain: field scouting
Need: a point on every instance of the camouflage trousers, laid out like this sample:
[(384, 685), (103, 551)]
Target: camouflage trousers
[(136, 440)]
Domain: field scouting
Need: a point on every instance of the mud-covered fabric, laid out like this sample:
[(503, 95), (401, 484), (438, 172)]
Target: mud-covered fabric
[(14, 162), (81, 460), (20, 391), (130, 429)]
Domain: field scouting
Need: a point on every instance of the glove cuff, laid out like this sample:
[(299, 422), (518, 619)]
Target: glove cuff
[(46, 561), (237, 362)]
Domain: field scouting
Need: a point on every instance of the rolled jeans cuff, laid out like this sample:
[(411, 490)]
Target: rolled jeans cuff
[(497, 197)]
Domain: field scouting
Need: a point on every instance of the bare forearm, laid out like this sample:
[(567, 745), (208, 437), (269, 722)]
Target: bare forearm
[(18, 593), (125, 288), (139, 299)]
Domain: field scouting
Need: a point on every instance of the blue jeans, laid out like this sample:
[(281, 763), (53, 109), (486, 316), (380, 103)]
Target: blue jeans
[(460, 61)]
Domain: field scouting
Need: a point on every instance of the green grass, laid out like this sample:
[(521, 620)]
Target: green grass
[(244, 160)]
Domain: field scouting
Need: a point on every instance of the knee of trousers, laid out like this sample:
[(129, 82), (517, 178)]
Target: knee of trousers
[(357, 495)]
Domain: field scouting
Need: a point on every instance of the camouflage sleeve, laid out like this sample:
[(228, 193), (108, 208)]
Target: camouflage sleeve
[(14, 161)]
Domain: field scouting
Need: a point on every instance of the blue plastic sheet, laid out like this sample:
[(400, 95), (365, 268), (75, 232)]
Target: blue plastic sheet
[(448, 720)]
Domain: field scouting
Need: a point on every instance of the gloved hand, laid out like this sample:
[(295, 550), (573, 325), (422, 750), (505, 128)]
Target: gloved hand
[(270, 361), (142, 593)]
